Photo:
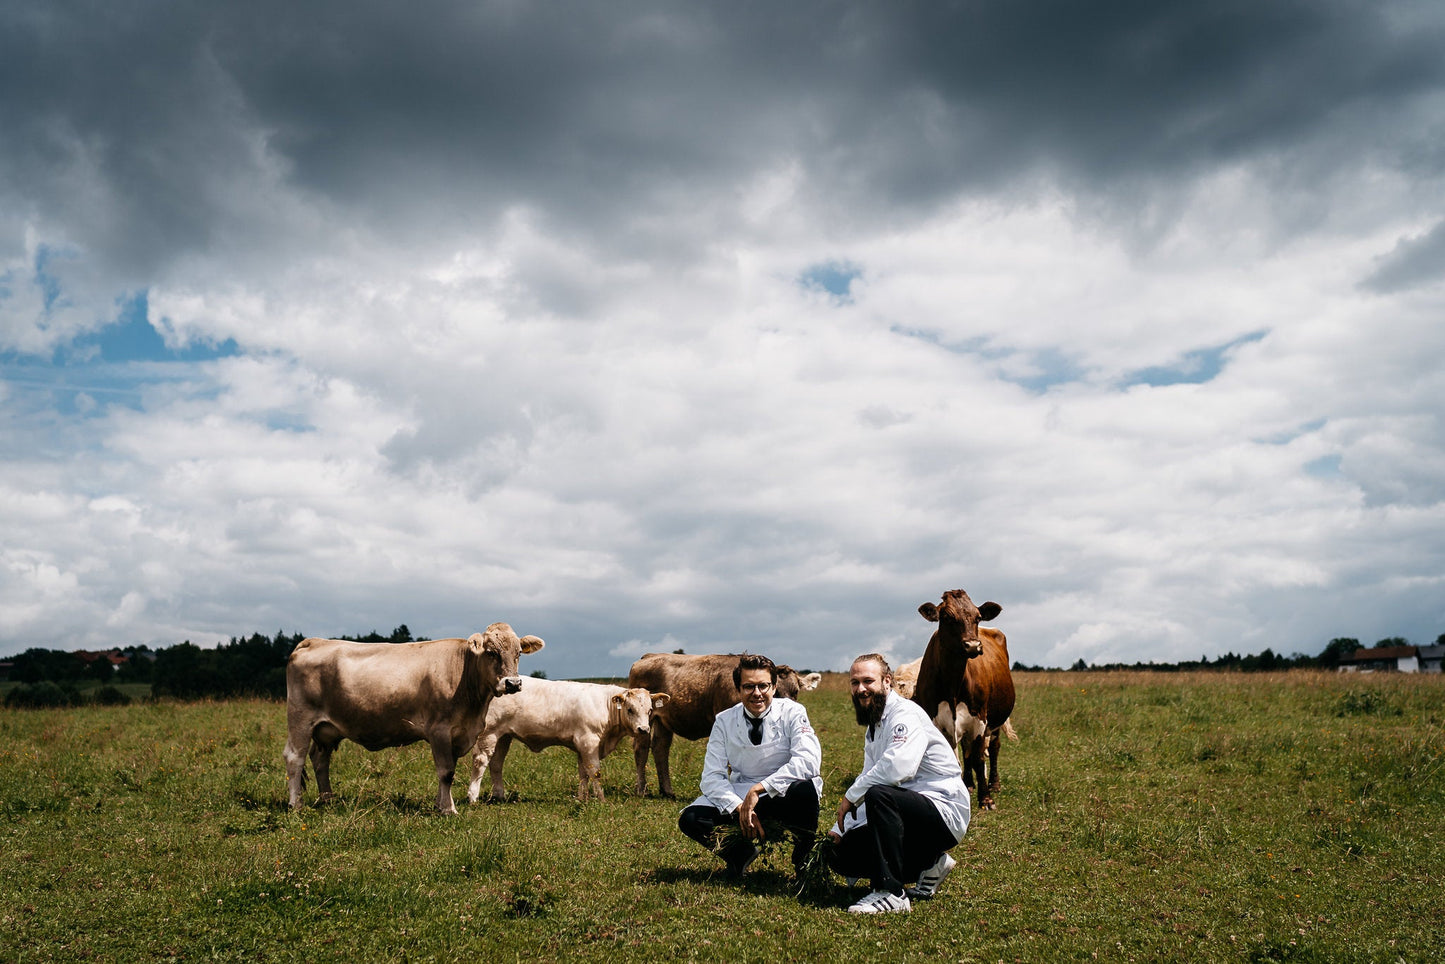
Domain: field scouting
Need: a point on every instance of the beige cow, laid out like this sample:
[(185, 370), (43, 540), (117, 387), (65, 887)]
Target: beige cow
[(905, 678), (383, 694), (588, 718)]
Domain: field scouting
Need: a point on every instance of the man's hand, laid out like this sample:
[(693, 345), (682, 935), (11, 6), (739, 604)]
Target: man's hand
[(748, 820), (845, 807)]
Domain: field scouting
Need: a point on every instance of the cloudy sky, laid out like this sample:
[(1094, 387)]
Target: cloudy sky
[(647, 325)]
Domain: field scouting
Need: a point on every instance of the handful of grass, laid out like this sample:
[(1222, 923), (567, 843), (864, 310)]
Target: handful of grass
[(813, 877)]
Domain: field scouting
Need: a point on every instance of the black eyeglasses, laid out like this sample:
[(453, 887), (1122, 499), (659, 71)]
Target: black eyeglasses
[(756, 687)]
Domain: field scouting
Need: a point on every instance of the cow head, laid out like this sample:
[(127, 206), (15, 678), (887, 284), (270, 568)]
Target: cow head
[(497, 652), (632, 710), (791, 682), (959, 617)]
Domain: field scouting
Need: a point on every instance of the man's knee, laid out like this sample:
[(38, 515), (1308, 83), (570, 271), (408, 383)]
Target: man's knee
[(693, 823), (802, 791)]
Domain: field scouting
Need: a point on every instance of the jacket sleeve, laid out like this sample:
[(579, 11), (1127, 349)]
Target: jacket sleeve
[(899, 762), (715, 785), (806, 761)]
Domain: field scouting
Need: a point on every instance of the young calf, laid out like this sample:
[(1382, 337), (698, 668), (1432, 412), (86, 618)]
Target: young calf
[(589, 718)]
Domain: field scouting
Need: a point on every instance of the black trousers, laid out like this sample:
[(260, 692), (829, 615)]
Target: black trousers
[(796, 809), (904, 836)]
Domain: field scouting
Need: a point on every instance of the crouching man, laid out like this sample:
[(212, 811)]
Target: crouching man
[(908, 807), (763, 763)]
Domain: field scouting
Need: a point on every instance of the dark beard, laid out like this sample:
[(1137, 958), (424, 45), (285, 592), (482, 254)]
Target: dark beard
[(870, 715)]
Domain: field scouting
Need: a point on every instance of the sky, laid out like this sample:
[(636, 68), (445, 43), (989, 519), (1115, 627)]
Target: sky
[(721, 326)]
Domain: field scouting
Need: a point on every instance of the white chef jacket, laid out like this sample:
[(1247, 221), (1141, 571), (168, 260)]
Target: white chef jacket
[(907, 750), (789, 752)]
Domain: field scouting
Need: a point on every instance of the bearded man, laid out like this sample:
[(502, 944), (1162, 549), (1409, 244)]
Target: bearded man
[(762, 763), (908, 807)]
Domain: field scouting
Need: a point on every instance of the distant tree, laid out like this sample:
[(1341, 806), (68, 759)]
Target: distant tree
[(137, 665), (1389, 642), (400, 634), (35, 665), (1079, 664), (185, 672), (678, 651), (101, 669), (1337, 650), (1440, 640), (1264, 662), (539, 674)]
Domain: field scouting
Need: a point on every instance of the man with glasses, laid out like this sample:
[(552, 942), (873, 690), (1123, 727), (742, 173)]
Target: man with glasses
[(909, 806), (763, 763)]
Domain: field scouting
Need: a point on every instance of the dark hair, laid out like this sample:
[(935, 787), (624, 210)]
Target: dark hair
[(875, 658), (753, 661)]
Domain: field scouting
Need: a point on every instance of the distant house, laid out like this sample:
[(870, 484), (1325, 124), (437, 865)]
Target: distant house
[(1386, 659), (1430, 657), (114, 657)]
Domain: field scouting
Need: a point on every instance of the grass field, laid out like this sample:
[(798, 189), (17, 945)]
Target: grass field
[(1143, 817)]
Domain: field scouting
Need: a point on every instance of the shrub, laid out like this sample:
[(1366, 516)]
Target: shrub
[(109, 696), (43, 695)]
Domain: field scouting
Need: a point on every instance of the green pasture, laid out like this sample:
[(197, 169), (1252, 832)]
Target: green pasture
[(1191, 817)]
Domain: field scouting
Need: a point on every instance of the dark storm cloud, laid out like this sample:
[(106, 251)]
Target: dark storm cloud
[(1414, 261), (441, 114)]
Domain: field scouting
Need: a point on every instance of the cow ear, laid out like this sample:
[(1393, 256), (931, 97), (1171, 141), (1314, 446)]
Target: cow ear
[(617, 701), (659, 699), (477, 644), (989, 610), (811, 680), (929, 612), (530, 644)]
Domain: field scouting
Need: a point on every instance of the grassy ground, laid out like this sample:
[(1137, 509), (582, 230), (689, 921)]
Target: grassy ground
[(1143, 817)]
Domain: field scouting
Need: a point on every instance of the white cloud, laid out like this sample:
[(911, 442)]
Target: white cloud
[(585, 391)]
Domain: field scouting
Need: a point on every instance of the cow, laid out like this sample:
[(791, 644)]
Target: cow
[(588, 718), (965, 684), (701, 687), (381, 694), (905, 678)]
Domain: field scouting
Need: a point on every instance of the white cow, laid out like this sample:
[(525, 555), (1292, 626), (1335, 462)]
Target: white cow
[(383, 694), (588, 718)]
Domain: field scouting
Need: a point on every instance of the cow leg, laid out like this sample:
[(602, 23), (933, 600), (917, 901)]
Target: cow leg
[(298, 742), (993, 744), (445, 759), (589, 772), (661, 751), (321, 763), (495, 764), (641, 744), (486, 743), (974, 772)]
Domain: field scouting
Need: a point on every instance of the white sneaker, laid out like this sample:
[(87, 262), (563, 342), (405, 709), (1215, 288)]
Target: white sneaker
[(929, 880), (882, 902)]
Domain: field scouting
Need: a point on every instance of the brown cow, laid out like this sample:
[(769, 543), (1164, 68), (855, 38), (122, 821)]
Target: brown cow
[(701, 687), (588, 718), (381, 695), (965, 684)]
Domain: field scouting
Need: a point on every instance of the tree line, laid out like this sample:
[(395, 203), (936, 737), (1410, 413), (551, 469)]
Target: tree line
[(250, 666), (1335, 652)]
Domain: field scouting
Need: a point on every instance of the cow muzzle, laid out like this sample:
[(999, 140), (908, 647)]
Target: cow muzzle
[(511, 684)]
